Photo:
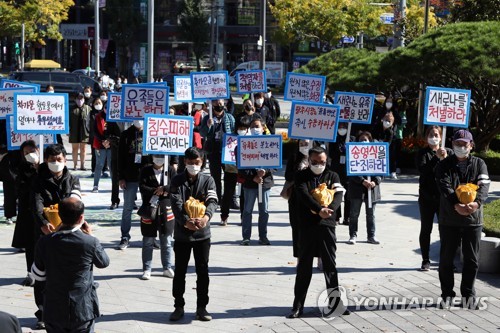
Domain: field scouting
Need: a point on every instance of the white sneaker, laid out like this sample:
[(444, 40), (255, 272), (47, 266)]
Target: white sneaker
[(9, 221), (168, 273), (146, 275), (95, 189), (352, 241), (373, 240), (394, 176)]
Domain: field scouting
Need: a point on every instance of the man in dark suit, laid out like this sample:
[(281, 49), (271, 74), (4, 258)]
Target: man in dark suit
[(64, 260)]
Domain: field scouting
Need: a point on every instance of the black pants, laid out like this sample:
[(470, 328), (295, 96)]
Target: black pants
[(315, 240), (115, 187), (86, 327), (293, 214), (428, 208), (9, 197), (216, 172), (451, 237), (201, 252), (228, 197)]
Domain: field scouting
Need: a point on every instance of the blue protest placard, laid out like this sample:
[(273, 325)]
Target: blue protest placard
[(41, 113), (7, 99), (210, 85), (251, 81), (259, 152), (170, 135), (139, 100), (229, 143), (355, 107), (367, 158), (15, 140), (304, 87), (447, 107), (18, 84), (114, 107), (315, 121)]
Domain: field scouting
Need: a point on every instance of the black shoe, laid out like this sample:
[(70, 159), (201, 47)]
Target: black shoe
[(123, 244), (113, 206), (203, 315), (426, 266), (346, 312), (295, 313), (445, 303), (40, 325), (177, 314), (156, 244)]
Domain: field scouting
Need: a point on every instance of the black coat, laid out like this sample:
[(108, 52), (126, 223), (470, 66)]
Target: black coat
[(65, 260), (427, 161), (49, 191), (147, 185), (25, 224), (130, 145)]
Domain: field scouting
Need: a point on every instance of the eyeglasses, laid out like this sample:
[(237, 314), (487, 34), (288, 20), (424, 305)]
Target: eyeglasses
[(322, 163)]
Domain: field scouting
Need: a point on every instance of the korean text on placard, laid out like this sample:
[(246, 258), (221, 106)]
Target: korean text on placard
[(367, 159), (301, 87), (138, 101), (41, 113), (449, 107), (167, 134), (259, 151), (313, 121), (355, 107), (251, 81), (210, 85)]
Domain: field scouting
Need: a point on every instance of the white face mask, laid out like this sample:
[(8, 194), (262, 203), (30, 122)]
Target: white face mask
[(87, 95), (388, 105), (193, 170), (138, 124), (365, 140), (56, 167), (159, 161), (342, 131), (242, 132), (104, 98), (256, 131), (386, 124), (50, 91), (125, 81), (259, 102), (317, 169), (304, 150), (433, 141), (461, 152), (98, 107), (32, 158)]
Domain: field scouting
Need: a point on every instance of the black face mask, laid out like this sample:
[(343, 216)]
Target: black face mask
[(248, 107), (218, 108)]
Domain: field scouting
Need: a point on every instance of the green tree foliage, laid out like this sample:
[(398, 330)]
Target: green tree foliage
[(325, 21), (475, 10), (414, 20), (123, 28), (194, 27), (41, 18), (461, 55)]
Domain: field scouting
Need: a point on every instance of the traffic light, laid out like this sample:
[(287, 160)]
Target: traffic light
[(18, 49)]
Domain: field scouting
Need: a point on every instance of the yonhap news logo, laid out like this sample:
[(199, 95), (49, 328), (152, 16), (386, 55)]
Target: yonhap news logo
[(332, 302)]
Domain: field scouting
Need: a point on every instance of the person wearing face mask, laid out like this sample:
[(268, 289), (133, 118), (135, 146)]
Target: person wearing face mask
[(263, 111), (197, 117), (251, 180), (297, 162), (24, 236), (274, 109), (358, 194), (460, 224), (130, 162), (192, 234), (427, 160), (213, 131), (316, 228), (337, 155), (385, 132), (104, 96), (100, 144), (49, 89), (9, 164), (155, 180), (87, 93), (51, 184), (79, 130), (97, 106)]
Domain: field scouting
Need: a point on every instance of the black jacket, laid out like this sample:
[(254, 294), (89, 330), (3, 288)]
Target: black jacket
[(305, 182), (337, 155), (358, 191), (64, 260), (49, 191), (203, 189), (426, 161), (130, 145), (448, 177)]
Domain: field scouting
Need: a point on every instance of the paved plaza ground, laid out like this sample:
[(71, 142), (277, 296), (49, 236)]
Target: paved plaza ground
[(251, 287)]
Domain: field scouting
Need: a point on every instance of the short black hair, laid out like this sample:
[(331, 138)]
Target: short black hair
[(193, 153), (70, 210), (317, 150), (28, 143), (257, 117), (54, 150), (243, 121)]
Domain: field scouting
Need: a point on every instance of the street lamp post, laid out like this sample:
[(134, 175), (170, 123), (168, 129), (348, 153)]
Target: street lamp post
[(263, 8), (151, 32), (96, 38)]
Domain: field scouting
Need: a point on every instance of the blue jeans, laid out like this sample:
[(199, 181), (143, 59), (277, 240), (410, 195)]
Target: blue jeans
[(354, 216), (165, 251), (100, 155), (252, 194), (129, 196)]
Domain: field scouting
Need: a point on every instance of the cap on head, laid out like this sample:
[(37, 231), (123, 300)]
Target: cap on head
[(463, 135)]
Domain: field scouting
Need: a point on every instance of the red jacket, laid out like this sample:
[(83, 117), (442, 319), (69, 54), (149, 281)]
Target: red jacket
[(100, 127), (196, 132)]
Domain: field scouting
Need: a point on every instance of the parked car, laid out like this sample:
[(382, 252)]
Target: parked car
[(63, 82), (89, 73)]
